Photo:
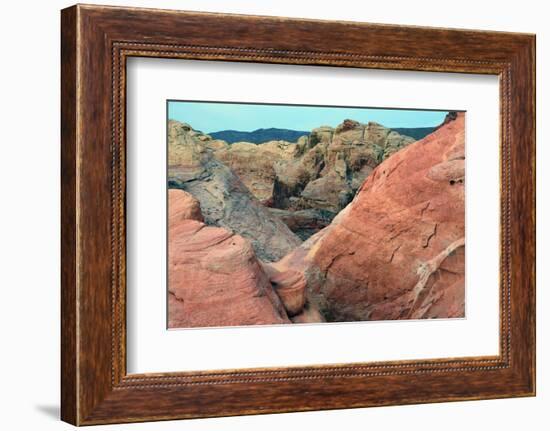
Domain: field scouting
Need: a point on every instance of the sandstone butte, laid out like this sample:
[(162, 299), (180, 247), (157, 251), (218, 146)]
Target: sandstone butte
[(319, 171), (397, 250), (215, 278), (333, 164)]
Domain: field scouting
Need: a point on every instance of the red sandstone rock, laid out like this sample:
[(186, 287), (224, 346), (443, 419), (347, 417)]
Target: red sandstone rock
[(440, 288), (215, 278), (290, 286), (396, 251), (183, 206)]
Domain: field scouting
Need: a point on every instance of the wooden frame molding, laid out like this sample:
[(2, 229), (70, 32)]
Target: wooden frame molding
[(95, 43)]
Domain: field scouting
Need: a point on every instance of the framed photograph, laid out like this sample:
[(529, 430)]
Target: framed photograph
[(264, 214)]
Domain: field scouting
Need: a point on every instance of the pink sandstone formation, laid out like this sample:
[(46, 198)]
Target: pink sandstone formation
[(183, 206), (397, 251), (215, 278)]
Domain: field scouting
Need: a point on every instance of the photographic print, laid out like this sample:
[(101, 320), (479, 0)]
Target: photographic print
[(297, 214)]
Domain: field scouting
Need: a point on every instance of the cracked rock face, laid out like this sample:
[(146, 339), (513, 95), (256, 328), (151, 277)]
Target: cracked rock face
[(254, 163), (333, 164), (224, 199), (397, 251)]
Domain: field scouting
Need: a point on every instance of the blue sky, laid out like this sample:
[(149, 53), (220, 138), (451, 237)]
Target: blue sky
[(211, 117)]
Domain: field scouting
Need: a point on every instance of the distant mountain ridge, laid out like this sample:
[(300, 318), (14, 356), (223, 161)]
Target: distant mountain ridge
[(414, 132), (261, 136)]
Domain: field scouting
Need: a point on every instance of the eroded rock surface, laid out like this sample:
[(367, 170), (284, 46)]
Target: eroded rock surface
[(224, 199), (215, 278), (183, 206), (320, 172), (397, 251), (304, 223), (254, 164), (333, 165)]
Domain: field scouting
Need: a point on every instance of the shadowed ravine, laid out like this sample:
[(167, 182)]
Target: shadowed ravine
[(349, 223)]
